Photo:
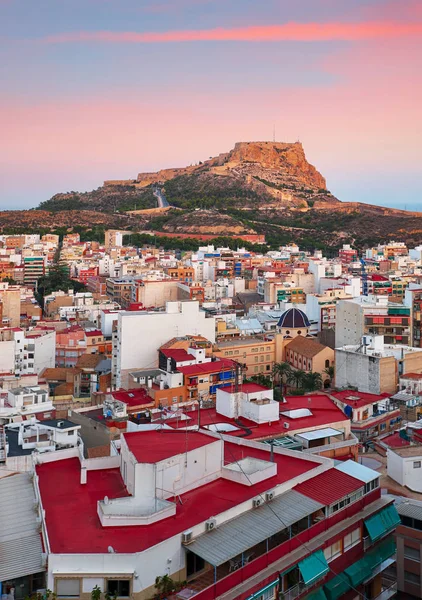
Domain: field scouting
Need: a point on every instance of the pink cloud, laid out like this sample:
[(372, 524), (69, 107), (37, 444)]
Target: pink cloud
[(301, 32)]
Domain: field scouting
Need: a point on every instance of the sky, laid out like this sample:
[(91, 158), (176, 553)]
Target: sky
[(104, 89)]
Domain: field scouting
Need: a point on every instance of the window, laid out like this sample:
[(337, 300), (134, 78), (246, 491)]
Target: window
[(118, 587), (68, 588), (256, 369), (70, 432), (416, 464), (352, 539), (412, 553), (371, 485), (411, 577), (382, 426), (333, 551)]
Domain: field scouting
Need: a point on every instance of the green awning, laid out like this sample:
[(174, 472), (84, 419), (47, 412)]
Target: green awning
[(336, 587), (379, 554), (316, 595), (359, 571), (313, 567), (381, 523)]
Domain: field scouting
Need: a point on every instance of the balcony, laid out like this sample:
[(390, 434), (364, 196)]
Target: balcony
[(352, 441)]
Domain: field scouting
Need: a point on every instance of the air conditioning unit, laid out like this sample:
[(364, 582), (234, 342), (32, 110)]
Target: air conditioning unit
[(187, 537), (257, 502), (269, 496), (210, 524), (286, 425)]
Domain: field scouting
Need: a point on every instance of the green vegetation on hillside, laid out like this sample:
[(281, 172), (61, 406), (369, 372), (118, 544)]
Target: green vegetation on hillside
[(192, 191), (104, 199)]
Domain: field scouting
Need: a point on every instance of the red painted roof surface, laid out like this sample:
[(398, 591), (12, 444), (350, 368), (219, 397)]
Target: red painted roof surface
[(248, 388), (178, 354), (135, 397), (95, 332), (71, 511), (151, 447), (346, 397), (323, 410), (324, 413), (329, 486), (395, 441), (216, 366)]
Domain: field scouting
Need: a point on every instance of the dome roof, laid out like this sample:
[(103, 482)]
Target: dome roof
[(294, 318)]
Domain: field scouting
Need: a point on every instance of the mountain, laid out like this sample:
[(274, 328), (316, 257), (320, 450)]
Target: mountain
[(253, 173), (257, 187)]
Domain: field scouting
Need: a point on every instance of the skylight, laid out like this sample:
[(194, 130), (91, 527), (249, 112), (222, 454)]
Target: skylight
[(297, 413)]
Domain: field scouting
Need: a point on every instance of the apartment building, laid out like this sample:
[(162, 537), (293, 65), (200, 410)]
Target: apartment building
[(409, 548), (139, 334), (257, 354), (265, 522), (26, 352), (375, 367)]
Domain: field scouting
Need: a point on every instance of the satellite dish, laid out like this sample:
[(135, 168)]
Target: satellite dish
[(111, 550)]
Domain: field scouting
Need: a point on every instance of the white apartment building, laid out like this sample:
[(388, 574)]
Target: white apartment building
[(26, 352), (140, 334)]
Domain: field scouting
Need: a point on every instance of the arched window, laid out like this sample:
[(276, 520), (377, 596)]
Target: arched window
[(327, 363)]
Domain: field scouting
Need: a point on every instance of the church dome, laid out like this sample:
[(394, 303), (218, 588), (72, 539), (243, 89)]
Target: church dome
[(294, 318)]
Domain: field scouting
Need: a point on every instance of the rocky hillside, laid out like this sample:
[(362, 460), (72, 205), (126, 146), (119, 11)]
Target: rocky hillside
[(253, 173)]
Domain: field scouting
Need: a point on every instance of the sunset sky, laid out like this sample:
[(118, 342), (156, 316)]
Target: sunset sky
[(104, 89)]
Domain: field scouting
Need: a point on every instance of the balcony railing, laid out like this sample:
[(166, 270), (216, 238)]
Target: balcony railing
[(353, 441)]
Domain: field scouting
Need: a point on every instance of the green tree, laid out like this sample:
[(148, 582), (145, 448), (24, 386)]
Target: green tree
[(297, 377), (330, 371), (282, 372), (312, 381)]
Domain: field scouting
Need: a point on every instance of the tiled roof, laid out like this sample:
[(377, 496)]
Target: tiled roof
[(305, 346)]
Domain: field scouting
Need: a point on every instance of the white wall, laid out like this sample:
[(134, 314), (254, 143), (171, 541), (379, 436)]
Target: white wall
[(7, 357), (349, 323), (141, 334), (402, 470), (45, 352)]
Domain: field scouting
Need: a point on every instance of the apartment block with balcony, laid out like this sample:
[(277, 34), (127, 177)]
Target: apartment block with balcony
[(371, 415), (265, 522)]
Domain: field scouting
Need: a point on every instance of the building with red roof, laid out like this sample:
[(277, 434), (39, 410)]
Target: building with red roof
[(220, 516), (371, 414)]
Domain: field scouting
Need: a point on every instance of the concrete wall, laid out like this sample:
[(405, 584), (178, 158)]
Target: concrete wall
[(45, 352), (139, 335), (402, 470), (349, 323), (7, 357)]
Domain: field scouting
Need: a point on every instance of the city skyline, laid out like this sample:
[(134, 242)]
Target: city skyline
[(100, 89)]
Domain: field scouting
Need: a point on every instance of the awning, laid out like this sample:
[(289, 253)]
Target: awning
[(379, 554), (20, 540), (336, 587), (381, 523), (252, 527), (316, 595), (359, 571), (319, 434), (358, 471), (313, 567)]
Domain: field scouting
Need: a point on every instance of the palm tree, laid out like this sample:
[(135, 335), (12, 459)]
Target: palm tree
[(297, 376), (312, 381), (282, 371), (330, 371)]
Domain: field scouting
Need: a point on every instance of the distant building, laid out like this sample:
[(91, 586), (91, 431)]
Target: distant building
[(409, 548)]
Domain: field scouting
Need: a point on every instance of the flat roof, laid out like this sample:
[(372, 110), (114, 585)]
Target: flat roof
[(319, 434), (358, 471), (71, 512), (358, 399), (153, 446), (215, 366)]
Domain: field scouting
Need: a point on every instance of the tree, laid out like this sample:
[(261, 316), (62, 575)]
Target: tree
[(283, 372), (312, 381), (164, 585), (330, 371), (297, 376), (261, 379)]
